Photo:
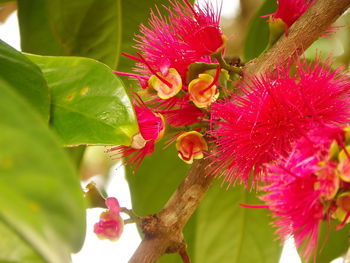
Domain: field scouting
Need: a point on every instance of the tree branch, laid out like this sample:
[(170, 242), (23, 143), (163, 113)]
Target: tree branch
[(163, 231), (307, 29)]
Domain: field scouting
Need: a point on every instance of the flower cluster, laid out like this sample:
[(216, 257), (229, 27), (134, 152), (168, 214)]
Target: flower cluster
[(180, 77), (283, 131), (255, 128), (310, 185)]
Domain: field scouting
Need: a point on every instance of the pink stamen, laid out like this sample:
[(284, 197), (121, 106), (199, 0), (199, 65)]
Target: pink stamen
[(344, 221), (190, 7), (154, 72), (128, 74), (253, 206), (216, 77), (131, 57)]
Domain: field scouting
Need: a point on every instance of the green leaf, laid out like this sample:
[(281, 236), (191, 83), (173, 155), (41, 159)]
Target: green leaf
[(14, 249), (227, 232), (156, 179), (90, 105), (40, 195), (258, 33), (25, 77), (331, 243), (89, 28), (134, 13)]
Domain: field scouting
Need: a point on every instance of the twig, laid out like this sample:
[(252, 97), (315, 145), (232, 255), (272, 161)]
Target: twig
[(163, 231), (184, 255), (307, 29)]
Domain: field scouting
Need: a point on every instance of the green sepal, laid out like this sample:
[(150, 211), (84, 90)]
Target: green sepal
[(276, 29)]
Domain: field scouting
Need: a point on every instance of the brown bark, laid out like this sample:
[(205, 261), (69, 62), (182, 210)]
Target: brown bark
[(163, 231), (307, 29)]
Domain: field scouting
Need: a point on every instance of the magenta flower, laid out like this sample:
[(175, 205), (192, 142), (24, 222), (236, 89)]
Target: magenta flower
[(111, 224), (151, 126), (198, 26), (302, 188), (290, 10), (188, 34), (258, 127), (183, 114)]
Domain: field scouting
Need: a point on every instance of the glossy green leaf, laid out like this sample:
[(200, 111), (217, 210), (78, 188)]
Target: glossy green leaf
[(40, 195), (89, 102), (258, 33), (89, 28), (229, 233), (25, 77)]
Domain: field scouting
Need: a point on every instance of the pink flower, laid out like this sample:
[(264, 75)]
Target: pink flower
[(198, 26), (302, 187), (151, 126), (183, 114), (191, 145), (290, 10), (258, 127), (188, 34), (111, 224)]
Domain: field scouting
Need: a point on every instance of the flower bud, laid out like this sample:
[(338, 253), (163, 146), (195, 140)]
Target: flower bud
[(344, 165), (276, 27), (111, 224), (190, 145), (167, 85), (202, 91), (343, 207), (328, 181)]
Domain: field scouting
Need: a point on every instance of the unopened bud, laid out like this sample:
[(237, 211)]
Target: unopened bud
[(168, 85), (344, 164), (191, 145), (343, 207), (111, 225), (202, 91)]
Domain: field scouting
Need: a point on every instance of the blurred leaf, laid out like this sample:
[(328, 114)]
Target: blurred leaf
[(336, 242), (324, 47), (156, 179), (90, 105), (258, 33), (89, 28), (25, 77), (40, 195), (6, 1), (134, 13), (226, 232), (14, 250)]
